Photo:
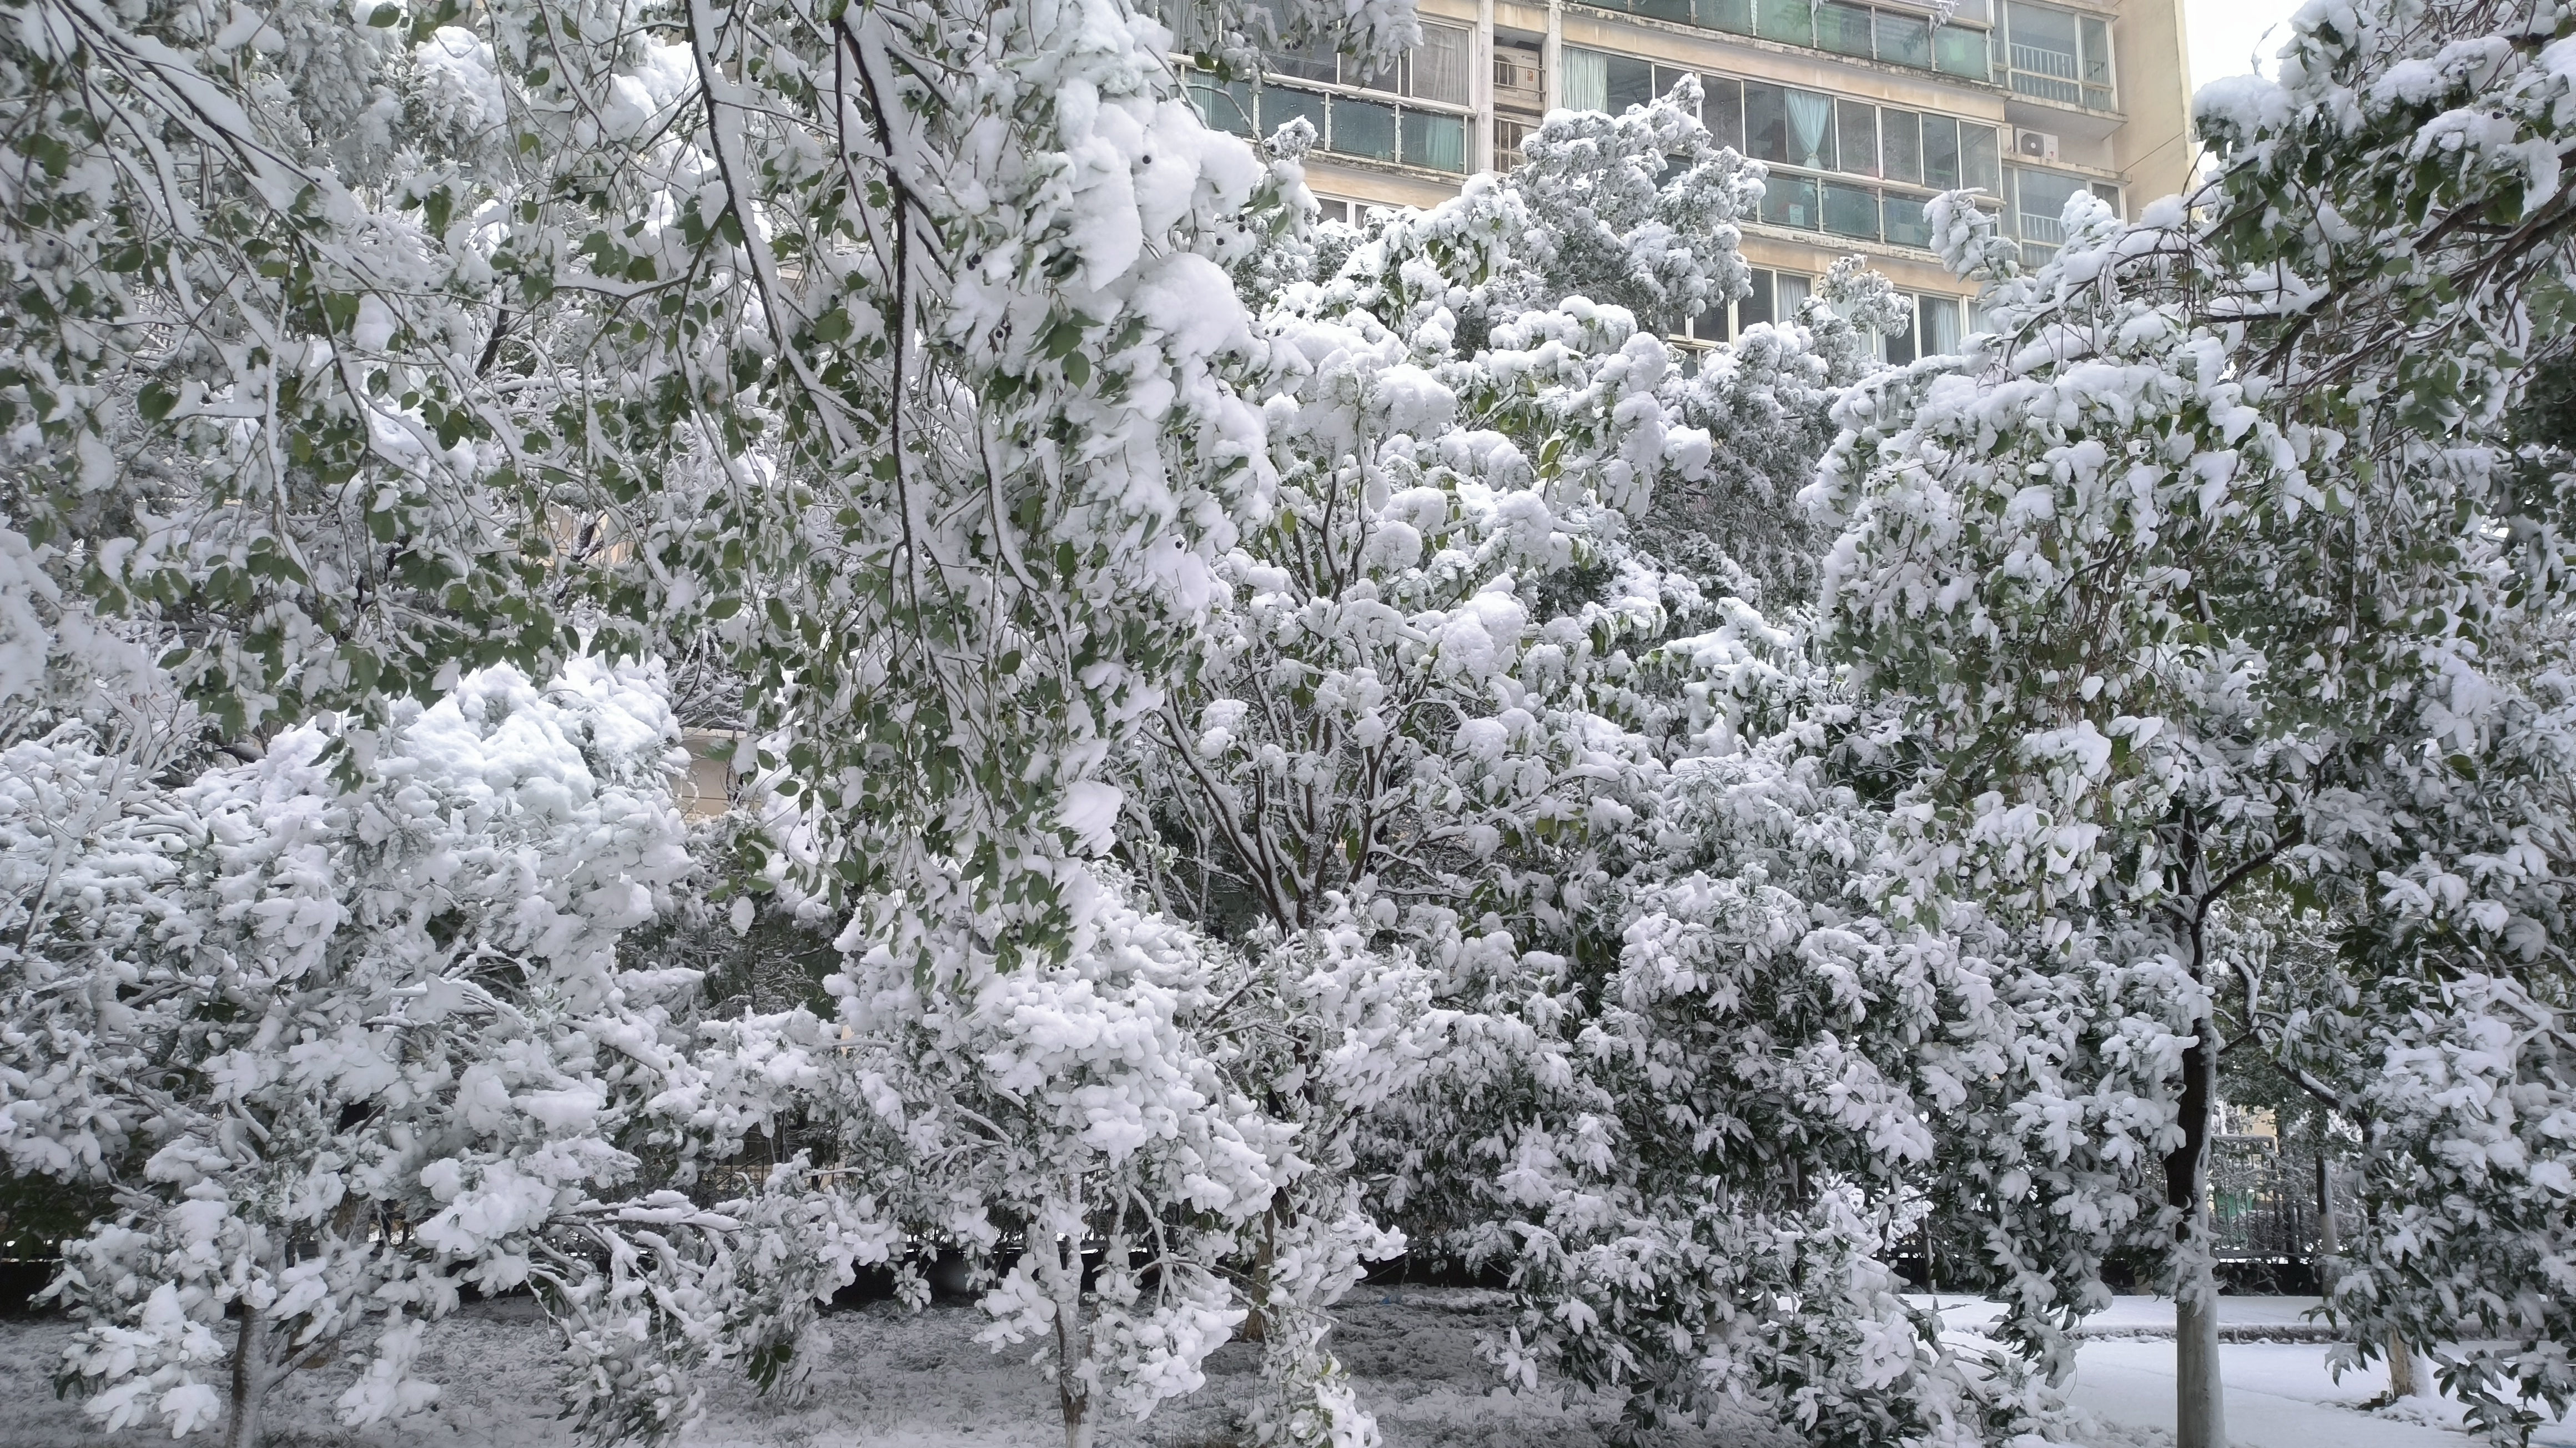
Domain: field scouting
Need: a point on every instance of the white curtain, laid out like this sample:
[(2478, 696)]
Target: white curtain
[(1440, 65), (1587, 81), (1811, 123)]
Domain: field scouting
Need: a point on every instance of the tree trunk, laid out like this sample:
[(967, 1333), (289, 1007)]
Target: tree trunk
[(1072, 1396), (2327, 1245), (250, 1380), (2200, 1419), (2403, 1381)]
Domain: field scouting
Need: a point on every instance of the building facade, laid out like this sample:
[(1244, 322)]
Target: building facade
[(1863, 112)]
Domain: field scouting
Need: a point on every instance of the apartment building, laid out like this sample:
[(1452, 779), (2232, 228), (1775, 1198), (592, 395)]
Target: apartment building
[(1863, 111)]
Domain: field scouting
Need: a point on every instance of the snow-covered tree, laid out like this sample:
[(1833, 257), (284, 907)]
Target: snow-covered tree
[(2208, 587), (345, 1048), (1065, 1124), (1566, 812)]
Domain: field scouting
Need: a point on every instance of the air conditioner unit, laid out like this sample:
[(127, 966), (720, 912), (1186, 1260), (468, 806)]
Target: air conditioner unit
[(2035, 145)]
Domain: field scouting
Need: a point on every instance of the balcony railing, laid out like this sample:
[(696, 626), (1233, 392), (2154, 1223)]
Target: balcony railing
[(2051, 75)]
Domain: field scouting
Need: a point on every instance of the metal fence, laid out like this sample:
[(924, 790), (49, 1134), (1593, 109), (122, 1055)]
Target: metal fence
[(2263, 1201)]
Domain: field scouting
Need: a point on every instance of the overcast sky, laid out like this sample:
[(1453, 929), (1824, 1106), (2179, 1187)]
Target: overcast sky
[(2226, 34)]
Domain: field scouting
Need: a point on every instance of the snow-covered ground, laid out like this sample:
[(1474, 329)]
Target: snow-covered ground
[(2279, 1393), (898, 1381), (891, 1380)]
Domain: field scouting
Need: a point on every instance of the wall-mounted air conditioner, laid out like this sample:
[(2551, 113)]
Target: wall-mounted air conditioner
[(2034, 145)]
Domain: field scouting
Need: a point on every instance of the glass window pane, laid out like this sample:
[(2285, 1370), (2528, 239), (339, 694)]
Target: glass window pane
[(1677, 11), (1711, 325), (1977, 160), (1843, 28), (1900, 156), (2042, 46), (1315, 62), (2110, 195), (1905, 39), (1790, 201), (1792, 21), (1721, 109), (1389, 80), (2097, 50), (1957, 50), (1899, 344), (1856, 137), (1439, 142), (1811, 130), (1666, 78), (1940, 324), (1851, 210), (1940, 152), (1440, 64), (1280, 105), (1362, 128), (1766, 121), (1734, 16), (1754, 307), (1631, 83), (2041, 27), (2039, 201), (1587, 80), (1328, 210), (1225, 105), (1793, 289), (1906, 225)]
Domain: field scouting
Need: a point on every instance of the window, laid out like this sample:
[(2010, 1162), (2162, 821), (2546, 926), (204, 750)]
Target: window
[(1906, 223), (1904, 39), (1226, 105), (1851, 210), (1933, 331), (1845, 27), (1815, 132), (1362, 128), (1790, 21), (1598, 81), (1436, 141), (1721, 108), (1313, 85), (1791, 201), (1900, 141), (1773, 297), (2056, 55), (1435, 70), (1959, 51), (2038, 204), (1344, 125), (1856, 137)]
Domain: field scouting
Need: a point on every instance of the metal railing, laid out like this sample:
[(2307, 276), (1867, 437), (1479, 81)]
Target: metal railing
[(2046, 230), (2050, 75)]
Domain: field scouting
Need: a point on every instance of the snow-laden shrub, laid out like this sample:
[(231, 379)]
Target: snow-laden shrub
[(371, 1044), (1066, 1124)]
